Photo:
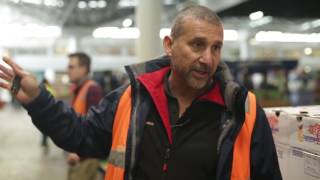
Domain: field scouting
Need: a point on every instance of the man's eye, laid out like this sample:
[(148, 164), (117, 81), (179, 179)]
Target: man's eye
[(217, 47), (197, 45)]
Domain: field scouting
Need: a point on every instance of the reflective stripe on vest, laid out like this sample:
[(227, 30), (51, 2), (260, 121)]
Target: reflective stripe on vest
[(80, 101), (116, 161), (242, 146)]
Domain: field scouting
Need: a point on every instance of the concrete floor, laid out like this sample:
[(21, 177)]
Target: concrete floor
[(21, 156)]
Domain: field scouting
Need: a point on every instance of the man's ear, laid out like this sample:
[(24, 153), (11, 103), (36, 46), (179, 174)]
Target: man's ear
[(167, 45)]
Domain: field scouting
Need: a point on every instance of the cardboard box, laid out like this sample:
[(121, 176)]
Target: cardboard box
[(296, 132), (307, 134), (297, 127), (303, 165), (281, 125), (283, 152)]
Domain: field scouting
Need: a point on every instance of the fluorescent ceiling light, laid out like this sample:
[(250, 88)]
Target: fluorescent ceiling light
[(29, 31), (307, 51), (102, 4), (263, 21), (256, 15), (306, 26), (93, 4), (116, 33), (37, 2), (309, 25), (82, 4), (127, 22), (277, 36), (315, 23), (128, 3), (54, 3)]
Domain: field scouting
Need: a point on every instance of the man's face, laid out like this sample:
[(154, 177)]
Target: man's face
[(76, 72), (195, 54)]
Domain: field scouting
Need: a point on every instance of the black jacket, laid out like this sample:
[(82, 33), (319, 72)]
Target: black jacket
[(92, 137)]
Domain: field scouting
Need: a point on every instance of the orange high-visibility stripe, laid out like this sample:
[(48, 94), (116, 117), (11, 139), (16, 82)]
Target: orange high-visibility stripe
[(114, 173), (242, 146), (80, 101), (115, 167)]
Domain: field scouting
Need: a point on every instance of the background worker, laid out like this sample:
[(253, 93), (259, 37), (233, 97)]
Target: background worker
[(86, 93)]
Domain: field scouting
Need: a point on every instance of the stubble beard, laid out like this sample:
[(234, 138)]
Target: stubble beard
[(191, 81), (196, 84)]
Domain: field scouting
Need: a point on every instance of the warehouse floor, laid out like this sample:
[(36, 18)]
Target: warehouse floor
[(21, 156)]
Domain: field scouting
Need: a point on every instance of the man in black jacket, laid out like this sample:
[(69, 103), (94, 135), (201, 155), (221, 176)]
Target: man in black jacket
[(181, 117)]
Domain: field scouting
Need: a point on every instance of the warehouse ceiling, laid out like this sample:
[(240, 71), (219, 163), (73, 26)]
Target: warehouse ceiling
[(69, 12), (276, 8), (45, 23), (88, 13), (94, 13), (281, 15)]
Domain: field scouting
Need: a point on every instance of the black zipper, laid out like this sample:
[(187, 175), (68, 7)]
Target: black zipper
[(165, 162)]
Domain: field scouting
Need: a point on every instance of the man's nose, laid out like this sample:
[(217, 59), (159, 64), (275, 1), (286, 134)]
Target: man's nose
[(206, 57)]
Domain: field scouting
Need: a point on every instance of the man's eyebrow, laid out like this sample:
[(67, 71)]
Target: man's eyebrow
[(198, 39), (220, 43)]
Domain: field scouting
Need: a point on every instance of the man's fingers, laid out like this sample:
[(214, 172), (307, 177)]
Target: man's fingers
[(4, 77), (7, 71), (5, 85), (16, 68)]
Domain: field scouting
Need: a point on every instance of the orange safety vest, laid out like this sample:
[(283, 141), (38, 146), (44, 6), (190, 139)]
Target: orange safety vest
[(79, 103), (116, 161), (241, 152), (242, 146)]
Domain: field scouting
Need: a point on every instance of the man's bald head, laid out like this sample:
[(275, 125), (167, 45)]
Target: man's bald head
[(197, 12)]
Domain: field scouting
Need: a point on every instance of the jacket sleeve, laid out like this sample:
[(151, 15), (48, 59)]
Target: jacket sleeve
[(88, 136), (264, 160)]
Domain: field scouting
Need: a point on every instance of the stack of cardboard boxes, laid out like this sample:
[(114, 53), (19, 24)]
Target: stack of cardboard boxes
[(296, 132)]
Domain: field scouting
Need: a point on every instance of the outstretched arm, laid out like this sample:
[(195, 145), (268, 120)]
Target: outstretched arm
[(89, 136)]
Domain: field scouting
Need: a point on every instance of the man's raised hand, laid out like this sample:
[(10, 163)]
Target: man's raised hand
[(19, 82)]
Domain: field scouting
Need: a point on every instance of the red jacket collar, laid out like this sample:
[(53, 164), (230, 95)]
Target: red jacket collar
[(154, 84), (153, 81)]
